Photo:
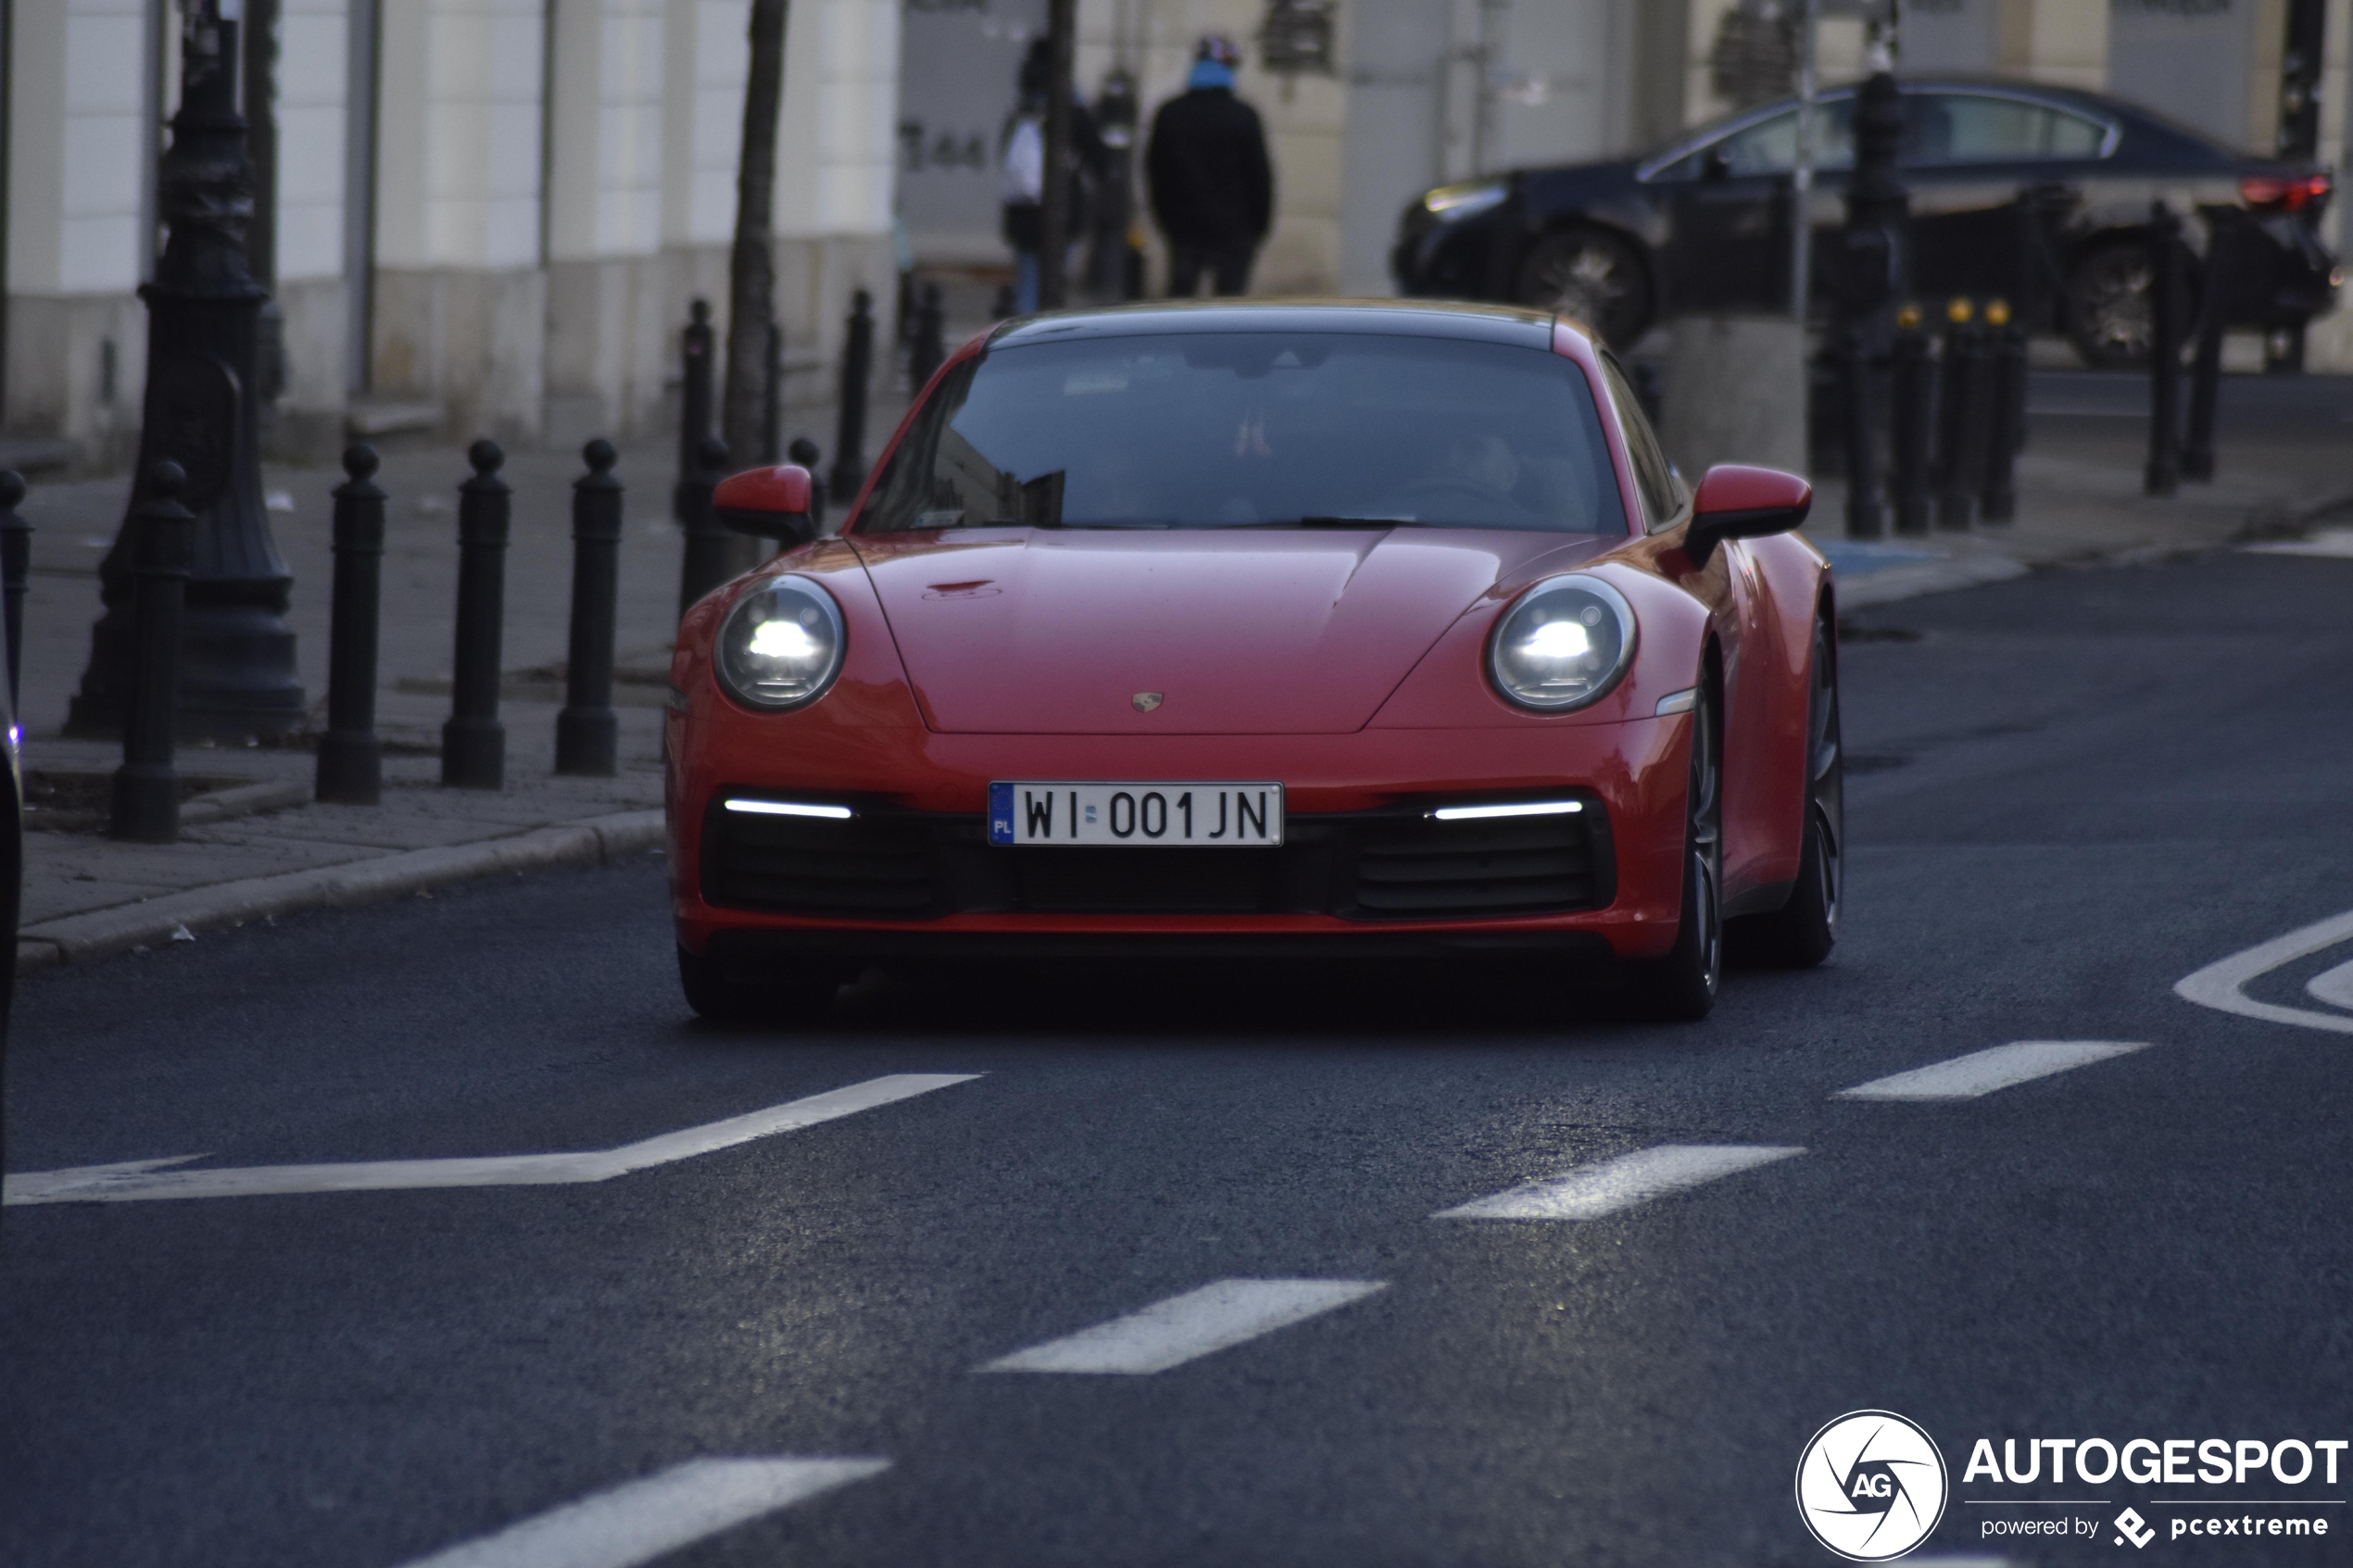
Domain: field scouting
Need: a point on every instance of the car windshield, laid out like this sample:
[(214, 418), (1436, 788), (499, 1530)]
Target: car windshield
[(1269, 430)]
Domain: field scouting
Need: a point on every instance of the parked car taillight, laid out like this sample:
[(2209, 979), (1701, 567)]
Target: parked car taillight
[(2273, 193)]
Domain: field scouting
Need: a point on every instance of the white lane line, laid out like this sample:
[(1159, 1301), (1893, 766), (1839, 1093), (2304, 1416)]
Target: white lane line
[(1591, 1191), (1981, 1072), (2333, 542), (136, 1181), (1183, 1328), (2334, 986), (643, 1520), (2223, 985)]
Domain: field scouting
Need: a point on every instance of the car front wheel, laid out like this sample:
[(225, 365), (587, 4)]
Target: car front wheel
[(1801, 934), (1681, 986), (1597, 277)]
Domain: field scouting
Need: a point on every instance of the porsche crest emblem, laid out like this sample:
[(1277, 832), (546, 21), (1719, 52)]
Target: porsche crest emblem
[(1145, 701)]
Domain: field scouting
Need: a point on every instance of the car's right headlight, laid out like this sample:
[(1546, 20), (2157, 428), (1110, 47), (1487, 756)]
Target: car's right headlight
[(781, 645), (1564, 644), (1450, 204)]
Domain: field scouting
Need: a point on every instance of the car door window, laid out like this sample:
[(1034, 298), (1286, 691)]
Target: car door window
[(1654, 478), (1948, 128), (1769, 146)]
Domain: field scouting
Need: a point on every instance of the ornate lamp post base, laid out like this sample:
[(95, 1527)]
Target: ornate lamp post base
[(202, 411)]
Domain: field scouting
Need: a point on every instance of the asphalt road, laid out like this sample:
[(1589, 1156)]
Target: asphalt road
[(2071, 791)]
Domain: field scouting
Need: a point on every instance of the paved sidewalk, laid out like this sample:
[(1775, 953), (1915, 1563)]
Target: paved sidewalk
[(254, 846), (2281, 467)]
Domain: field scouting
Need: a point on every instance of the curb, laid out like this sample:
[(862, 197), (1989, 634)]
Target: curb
[(1890, 584), (102, 934)]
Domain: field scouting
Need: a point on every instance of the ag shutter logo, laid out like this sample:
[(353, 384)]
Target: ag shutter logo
[(1871, 1485)]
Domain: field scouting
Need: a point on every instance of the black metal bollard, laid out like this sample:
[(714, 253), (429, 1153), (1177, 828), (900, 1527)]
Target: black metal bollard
[(586, 732), (146, 787), (473, 743), (804, 452), (1948, 388), (1911, 385), (16, 564), (708, 544), (1865, 508), (350, 756), (930, 347), (694, 402), (2224, 257), (2005, 423), (2166, 326), (857, 369), (1960, 460)]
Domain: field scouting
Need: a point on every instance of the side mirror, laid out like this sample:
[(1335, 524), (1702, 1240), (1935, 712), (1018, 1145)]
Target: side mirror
[(767, 504), (1739, 502), (1715, 164)]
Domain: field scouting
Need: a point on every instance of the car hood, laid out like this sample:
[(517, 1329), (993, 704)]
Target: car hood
[(1047, 632)]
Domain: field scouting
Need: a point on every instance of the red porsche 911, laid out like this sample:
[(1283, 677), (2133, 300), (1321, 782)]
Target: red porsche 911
[(1284, 629)]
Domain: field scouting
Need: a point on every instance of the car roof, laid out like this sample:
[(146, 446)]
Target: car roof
[(1482, 323), (2118, 111)]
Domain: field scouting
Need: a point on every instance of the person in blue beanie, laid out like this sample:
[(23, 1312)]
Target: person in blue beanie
[(1213, 190)]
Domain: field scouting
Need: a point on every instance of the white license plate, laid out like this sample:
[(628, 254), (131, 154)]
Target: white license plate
[(1139, 816)]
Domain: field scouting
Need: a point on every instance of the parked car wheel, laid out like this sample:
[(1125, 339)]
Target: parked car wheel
[(2110, 300), (1596, 276)]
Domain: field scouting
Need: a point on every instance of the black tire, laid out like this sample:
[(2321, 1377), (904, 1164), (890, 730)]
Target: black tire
[(786, 999), (1681, 986), (2111, 306), (1596, 275), (1801, 934)]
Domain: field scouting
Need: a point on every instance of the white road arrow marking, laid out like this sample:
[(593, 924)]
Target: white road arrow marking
[(2334, 986), (1590, 1191), (138, 1180), (1216, 1317), (2223, 986), (1981, 1072), (651, 1518)]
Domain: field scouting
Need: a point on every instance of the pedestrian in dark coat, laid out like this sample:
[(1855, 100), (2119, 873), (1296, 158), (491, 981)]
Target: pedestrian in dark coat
[(1213, 189)]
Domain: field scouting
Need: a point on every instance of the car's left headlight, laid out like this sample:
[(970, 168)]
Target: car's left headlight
[(781, 645), (1564, 644), (1448, 204)]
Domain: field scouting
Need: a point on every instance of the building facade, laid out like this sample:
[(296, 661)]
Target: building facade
[(491, 215)]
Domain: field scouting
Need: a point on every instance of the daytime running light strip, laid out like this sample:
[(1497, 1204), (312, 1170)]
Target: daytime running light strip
[(790, 809), (1533, 808)]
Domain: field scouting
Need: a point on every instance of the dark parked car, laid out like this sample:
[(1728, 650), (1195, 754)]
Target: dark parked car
[(1703, 224)]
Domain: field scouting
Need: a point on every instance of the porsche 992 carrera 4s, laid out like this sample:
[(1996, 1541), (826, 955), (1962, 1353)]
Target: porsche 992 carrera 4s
[(1291, 630)]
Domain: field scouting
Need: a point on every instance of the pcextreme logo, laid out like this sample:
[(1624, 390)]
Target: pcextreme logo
[(1871, 1485)]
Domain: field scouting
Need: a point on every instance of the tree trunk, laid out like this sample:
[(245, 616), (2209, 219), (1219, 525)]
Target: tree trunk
[(751, 268)]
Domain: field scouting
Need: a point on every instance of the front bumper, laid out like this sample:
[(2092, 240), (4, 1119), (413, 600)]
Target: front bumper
[(1359, 872)]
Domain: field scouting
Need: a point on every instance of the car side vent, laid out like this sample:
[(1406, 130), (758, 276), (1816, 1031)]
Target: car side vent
[(1523, 865), (796, 865)]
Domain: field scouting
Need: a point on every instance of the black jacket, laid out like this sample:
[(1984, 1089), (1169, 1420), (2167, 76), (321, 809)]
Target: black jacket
[(1207, 161)]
